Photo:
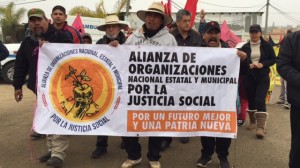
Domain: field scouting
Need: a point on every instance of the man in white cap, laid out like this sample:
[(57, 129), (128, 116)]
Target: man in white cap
[(154, 33), (113, 28)]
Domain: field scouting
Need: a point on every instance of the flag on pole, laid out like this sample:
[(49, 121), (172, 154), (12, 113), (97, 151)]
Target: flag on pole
[(167, 7), (228, 36), (191, 5), (77, 24)]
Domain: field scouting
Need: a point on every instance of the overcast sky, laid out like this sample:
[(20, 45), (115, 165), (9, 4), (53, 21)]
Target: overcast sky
[(289, 7)]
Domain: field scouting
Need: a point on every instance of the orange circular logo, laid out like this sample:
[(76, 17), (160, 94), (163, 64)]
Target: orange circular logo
[(82, 89)]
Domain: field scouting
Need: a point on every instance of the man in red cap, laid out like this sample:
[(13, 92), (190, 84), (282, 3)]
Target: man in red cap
[(212, 38)]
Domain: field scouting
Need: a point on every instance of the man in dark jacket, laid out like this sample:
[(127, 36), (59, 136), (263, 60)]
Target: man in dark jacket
[(113, 28), (26, 63), (59, 18), (3, 51), (211, 38), (185, 36), (288, 66)]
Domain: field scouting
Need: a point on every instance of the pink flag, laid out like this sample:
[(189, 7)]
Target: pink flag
[(191, 5), (228, 36), (169, 5), (77, 24)]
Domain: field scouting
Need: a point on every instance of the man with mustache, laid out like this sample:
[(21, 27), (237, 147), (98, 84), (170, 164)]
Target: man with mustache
[(26, 63), (59, 22), (211, 38), (113, 34)]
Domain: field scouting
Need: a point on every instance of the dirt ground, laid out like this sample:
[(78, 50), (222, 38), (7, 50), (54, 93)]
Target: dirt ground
[(17, 150)]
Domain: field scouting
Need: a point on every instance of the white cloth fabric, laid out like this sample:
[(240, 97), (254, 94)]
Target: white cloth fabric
[(162, 38)]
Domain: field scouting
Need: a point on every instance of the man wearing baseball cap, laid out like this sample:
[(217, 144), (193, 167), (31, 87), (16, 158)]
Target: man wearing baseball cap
[(26, 64), (212, 38)]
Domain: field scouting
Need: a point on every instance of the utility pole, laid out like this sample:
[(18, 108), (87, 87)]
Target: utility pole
[(267, 17), (127, 7)]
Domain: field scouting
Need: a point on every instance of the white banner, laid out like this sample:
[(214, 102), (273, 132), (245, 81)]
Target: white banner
[(136, 90)]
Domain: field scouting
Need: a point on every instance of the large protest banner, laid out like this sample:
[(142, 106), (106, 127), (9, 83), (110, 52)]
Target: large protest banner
[(136, 90)]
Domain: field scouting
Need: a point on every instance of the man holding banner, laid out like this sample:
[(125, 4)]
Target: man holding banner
[(155, 33), (288, 66), (211, 38), (113, 28), (26, 63)]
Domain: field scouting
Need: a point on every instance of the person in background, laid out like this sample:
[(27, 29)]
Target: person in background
[(202, 22), (257, 81), (211, 38), (241, 118), (4, 53), (283, 92), (172, 26), (154, 33), (59, 18), (113, 33), (185, 36), (288, 67), (86, 38), (26, 64), (59, 22)]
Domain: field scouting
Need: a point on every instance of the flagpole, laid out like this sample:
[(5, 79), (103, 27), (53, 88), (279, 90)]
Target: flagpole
[(127, 7), (267, 17)]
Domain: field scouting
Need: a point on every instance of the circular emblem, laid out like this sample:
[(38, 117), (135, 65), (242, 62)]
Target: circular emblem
[(82, 89)]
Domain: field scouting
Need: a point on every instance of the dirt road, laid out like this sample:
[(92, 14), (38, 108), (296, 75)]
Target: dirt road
[(18, 151)]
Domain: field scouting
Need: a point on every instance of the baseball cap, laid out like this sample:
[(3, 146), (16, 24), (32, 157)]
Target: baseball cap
[(255, 27), (35, 12), (212, 25)]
